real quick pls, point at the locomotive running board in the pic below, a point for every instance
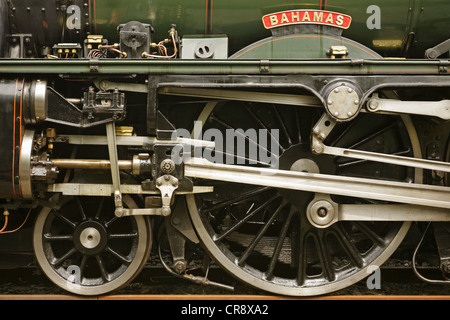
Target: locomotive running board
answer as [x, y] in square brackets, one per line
[400, 192]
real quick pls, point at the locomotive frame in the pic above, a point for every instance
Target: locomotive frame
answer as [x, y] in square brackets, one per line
[314, 222]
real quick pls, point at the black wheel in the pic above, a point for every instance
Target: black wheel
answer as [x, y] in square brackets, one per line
[262, 236]
[85, 249]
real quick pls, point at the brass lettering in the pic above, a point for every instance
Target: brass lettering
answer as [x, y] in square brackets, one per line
[339, 20]
[295, 16]
[318, 16]
[273, 20]
[329, 19]
[306, 17]
[284, 18]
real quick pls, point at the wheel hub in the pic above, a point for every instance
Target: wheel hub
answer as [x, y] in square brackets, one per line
[305, 165]
[90, 237]
[300, 158]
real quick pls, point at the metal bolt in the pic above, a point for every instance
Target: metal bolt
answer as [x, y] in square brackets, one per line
[356, 101]
[317, 148]
[447, 268]
[322, 212]
[373, 105]
[167, 166]
[330, 101]
[179, 266]
[165, 211]
[349, 90]
[336, 90]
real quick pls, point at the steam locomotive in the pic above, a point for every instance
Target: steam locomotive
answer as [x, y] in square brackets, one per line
[292, 143]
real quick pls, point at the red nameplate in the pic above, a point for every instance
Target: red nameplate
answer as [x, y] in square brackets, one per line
[328, 18]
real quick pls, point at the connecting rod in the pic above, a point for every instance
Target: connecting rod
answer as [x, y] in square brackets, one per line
[400, 192]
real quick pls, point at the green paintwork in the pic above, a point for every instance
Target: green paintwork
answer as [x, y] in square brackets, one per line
[303, 46]
[407, 27]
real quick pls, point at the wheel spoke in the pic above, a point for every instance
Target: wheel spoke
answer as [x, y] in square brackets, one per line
[82, 267]
[80, 208]
[301, 259]
[349, 247]
[279, 245]
[57, 262]
[298, 125]
[245, 219]
[372, 135]
[255, 143]
[64, 219]
[282, 124]
[111, 221]
[100, 208]
[50, 237]
[259, 235]
[119, 256]
[372, 235]
[128, 235]
[102, 268]
[238, 199]
[262, 125]
[324, 254]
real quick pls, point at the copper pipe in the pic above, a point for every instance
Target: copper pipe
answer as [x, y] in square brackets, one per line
[90, 164]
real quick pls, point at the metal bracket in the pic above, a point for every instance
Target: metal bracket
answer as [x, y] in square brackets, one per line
[167, 185]
[264, 66]
[93, 65]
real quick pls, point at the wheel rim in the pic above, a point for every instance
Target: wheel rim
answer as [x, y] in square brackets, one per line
[280, 251]
[83, 248]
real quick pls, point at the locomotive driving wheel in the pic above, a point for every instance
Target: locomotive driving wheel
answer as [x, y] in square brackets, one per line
[262, 235]
[84, 248]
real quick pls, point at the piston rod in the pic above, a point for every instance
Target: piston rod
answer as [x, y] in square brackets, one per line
[90, 164]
